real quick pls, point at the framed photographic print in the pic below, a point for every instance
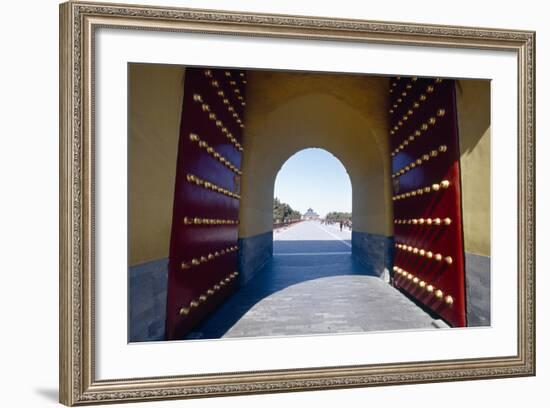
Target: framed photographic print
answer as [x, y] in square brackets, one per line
[260, 203]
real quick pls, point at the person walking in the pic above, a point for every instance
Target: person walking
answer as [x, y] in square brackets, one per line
[341, 224]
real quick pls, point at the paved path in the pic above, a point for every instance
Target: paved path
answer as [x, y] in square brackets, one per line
[311, 237]
[313, 286]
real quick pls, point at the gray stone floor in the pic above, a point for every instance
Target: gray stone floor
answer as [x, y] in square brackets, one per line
[313, 286]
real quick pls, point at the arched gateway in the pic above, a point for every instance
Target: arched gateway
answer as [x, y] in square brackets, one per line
[397, 138]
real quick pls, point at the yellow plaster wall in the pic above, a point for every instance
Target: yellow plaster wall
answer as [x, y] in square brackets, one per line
[474, 121]
[155, 100]
[343, 114]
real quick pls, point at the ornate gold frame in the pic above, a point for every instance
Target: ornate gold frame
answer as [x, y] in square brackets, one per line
[78, 22]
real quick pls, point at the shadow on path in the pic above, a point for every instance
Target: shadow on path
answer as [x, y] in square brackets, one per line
[312, 285]
[312, 246]
[293, 262]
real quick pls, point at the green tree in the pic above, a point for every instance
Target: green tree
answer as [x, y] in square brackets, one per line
[337, 216]
[282, 212]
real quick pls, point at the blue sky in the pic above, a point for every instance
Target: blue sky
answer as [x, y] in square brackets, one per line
[314, 178]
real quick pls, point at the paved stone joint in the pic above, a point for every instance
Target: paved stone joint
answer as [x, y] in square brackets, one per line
[313, 285]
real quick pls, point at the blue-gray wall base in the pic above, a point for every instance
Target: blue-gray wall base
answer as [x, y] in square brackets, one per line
[147, 287]
[147, 283]
[374, 252]
[254, 253]
[478, 290]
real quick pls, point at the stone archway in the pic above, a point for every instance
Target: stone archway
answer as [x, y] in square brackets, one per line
[345, 115]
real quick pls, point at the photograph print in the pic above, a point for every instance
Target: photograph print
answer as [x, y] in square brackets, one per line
[268, 203]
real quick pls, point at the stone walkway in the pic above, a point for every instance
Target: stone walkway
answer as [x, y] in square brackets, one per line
[313, 286]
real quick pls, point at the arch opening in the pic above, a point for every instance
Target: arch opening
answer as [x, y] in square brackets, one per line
[312, 205]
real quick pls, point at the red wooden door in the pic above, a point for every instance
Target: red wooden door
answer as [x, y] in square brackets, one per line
[203, 246]
[429, 255]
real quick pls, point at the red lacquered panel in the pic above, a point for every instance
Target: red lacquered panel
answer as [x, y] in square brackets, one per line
[203, 246]
[429, 254]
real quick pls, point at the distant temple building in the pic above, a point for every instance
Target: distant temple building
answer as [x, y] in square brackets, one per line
[310, 215]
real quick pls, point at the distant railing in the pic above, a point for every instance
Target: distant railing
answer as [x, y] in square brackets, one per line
[281, 224]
